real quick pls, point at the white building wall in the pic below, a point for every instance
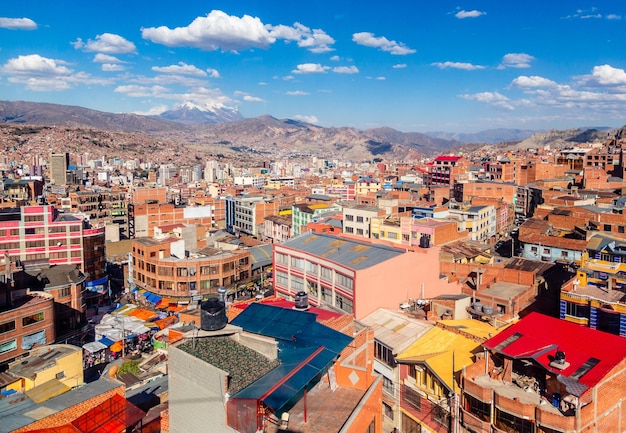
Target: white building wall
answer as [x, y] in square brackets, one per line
[197, 395]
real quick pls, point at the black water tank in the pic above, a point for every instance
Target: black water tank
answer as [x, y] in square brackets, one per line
[213, 315]
[425, 241]
[302, 301]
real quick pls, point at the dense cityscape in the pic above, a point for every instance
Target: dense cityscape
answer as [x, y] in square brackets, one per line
[312, 217]
[449, 293]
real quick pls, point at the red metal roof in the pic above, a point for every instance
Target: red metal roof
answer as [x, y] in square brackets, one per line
[447, 158]
[541, 336]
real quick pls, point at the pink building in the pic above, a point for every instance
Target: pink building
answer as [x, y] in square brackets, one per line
[356, 276]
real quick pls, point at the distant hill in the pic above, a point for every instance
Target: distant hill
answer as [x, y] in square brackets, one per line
[497, 135]
[41, 113]
[217, 130]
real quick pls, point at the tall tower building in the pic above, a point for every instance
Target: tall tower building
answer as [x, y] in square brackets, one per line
[58, 168]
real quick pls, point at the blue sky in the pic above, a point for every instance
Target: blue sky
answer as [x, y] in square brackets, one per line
[411, 65]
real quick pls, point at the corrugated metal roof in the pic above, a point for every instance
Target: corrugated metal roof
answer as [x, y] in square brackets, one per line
[539, 337]
[445, 352]
[348, 252]
[306, 350]
[47, 390]
[395, 330]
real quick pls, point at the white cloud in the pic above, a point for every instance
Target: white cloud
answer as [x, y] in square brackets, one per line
[105, 58]
[346, 70]
[316, 40]
[297, 93]
[457, 65]
[288, 77]
[516, 60]
[262, 83]
[310, 68]
[39, 73]
[613, 17]
[493, 98]
[215, 31]
[335, 58]
[380, 78]
[141, 91]
[112, 67]
[308, 119]
[17, 23]
[197, 95]
[382, 43]
[249, 98]
[35, 65]
[154, 111]
[213, 73]
[181, 68]
[107, 43]
[604, 76]
[469, 14]
[532, 82]
[399, 66]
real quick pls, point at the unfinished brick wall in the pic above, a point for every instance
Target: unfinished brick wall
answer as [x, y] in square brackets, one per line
[68, 415]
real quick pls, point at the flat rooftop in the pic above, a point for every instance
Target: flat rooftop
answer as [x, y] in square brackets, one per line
[326, 410]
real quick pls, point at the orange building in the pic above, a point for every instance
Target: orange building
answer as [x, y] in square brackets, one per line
[146, 217]
[165, 269]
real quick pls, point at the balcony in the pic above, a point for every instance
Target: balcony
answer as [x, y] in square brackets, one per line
[520, 399]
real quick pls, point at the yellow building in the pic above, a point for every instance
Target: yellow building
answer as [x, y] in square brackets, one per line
[594, 298]
[58, 363]
[430, 371]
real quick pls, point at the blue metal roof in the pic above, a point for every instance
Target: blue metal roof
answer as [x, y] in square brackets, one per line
[306, 350]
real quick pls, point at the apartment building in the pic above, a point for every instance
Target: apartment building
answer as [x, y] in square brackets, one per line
[356, 276]
[277, 229]
[42, 234]
[167, 270]
[303, 214]
[25, 320]
[545, 375]
[595, 297]
[357, 219]
[478, 221]
[286, 372]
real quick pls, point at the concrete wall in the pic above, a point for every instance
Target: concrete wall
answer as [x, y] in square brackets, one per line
[264, 345]
[196, 395]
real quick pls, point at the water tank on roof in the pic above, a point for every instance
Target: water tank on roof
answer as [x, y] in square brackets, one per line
[425, 241]
[478, 307]
[213, 315]
[487, 309]
[302, 301]
[221, 292]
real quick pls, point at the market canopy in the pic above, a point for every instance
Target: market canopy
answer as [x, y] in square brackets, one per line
[94, 346]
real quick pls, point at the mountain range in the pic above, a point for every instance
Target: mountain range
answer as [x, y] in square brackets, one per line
[193, 131]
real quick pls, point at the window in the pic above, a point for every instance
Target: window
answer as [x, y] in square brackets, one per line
[392, 235]
[327, 295]
[7, 326]
[387, 410]
[564, 254]
[359, 219]
[297, 263]
[311, 268]
[349, 230]
[281, 258]
[412, 398]
[577, 310]
[388, 385]
[65, 292]
[440, 415]
[33, 318]
[60, 375]
[383, 353]
[409, 425]
[327, 273]
[349, 217]
[359, 232]
[344, 303]
[8, 346]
